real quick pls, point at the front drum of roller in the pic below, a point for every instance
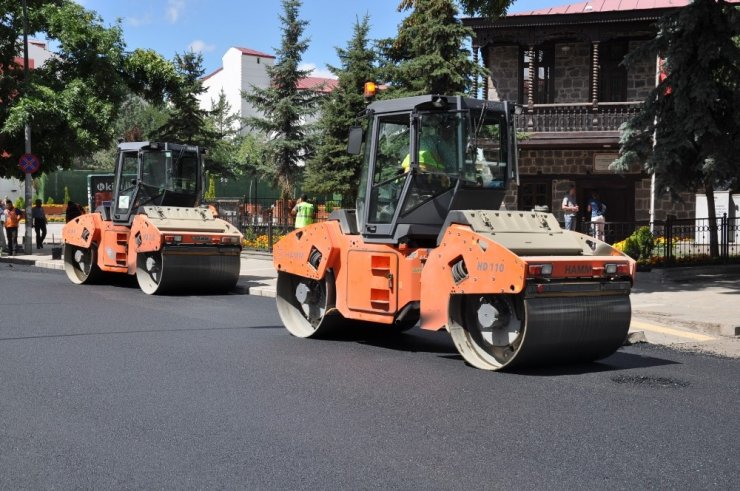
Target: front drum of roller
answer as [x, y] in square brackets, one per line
[503, 331]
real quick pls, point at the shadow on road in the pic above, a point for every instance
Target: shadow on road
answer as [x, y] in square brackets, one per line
[414, 341]
[620, 360]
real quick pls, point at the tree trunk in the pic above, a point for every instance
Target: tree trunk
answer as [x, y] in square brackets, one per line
[713, 239]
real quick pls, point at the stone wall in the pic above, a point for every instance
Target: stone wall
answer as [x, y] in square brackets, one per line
[579, 163]
[640, 76]
[572, 69]
[664, 206]
[503, 61]
[576, 162]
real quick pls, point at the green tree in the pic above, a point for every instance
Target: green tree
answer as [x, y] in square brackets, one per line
[333, 170]
[485, 8]
[74, 98]
[225, 125]
[187, 121]
[284, 106]
[428, 54]
[688, 131]
[137, 120]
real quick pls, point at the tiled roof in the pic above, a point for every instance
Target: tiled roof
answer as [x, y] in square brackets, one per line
[252, 52]
[605, 6]
[318, 83]
[214, 72]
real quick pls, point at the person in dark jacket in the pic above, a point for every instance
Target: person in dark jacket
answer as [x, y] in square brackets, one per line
[73, 211]
[39, 223]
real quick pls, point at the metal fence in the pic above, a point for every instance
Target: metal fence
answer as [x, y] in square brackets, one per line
[264, 221]
[679, 240]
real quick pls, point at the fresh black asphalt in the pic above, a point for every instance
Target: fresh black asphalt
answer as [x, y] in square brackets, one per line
[105, 387]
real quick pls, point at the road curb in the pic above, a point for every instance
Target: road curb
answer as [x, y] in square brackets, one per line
[712, 328]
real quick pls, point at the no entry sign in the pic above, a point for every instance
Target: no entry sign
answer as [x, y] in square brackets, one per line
[29, 163]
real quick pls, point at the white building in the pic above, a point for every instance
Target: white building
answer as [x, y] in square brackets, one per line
[242, 69]
[38, 53]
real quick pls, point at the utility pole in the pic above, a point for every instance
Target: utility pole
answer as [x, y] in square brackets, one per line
[28, 181]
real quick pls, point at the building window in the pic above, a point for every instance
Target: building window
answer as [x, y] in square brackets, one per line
[534, 193]
[612, 76]
[544, 72]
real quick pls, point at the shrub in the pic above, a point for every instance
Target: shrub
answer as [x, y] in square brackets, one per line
[645, 242]
[67, 197]
[20, 203]
[631, 247]
[50, 201]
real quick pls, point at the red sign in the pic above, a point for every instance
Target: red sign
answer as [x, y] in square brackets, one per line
[29, 163]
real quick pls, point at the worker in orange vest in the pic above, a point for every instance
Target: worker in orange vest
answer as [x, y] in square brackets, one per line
[12, 219]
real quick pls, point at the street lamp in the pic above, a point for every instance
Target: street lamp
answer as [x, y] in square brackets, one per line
[28, 180]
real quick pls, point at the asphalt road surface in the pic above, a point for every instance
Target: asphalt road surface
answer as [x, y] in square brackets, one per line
[106, 387]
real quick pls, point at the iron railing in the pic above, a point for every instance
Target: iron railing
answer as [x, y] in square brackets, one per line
[574, 117]
[680, 240]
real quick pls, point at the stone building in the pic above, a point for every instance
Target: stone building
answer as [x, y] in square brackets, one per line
[563, 65]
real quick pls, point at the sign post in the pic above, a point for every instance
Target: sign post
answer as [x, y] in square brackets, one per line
[29, 164]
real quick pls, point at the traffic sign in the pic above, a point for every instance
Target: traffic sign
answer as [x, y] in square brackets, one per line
[29, 163]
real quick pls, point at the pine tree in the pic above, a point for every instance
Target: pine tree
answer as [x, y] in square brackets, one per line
[187, 121]
[333, 170]
[284, 106]
[688, 131]
[485, 8]
[428, 55]
[224, 126]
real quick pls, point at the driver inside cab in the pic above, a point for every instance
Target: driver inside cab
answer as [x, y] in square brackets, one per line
[435, 148]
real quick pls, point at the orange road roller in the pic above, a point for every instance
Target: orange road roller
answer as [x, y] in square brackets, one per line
[429, 243]
[154, 228]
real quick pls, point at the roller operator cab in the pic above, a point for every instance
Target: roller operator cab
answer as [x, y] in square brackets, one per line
[429, 243]
[154, 227]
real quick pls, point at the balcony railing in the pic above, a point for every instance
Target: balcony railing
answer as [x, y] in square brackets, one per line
[574, 117]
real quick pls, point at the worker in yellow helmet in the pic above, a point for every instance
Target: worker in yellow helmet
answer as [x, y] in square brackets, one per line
[303, 212]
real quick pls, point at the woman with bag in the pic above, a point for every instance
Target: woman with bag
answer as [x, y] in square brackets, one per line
[597, 209]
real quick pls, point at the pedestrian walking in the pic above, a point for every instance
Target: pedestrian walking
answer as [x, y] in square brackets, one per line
[570, 209]
[12, 219]
[39, 223]
[597, 208]
[303, 212]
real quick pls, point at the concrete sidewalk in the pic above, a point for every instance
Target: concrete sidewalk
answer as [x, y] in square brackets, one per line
[696, 307]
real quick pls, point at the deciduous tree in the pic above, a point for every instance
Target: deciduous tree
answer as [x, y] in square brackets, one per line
[74, 98]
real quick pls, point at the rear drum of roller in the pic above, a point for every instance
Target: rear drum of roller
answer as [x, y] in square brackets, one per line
[161, 272]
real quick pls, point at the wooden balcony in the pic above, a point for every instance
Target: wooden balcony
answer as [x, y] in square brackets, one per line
[576, 117]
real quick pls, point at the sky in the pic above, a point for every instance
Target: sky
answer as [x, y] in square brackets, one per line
[213, 26]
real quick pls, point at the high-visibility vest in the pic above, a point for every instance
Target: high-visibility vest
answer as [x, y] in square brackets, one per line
[11, 218]
[304, 214]
[428, 161]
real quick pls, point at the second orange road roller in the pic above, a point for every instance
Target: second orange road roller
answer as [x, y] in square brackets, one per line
[154, 227]
[429, 243]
